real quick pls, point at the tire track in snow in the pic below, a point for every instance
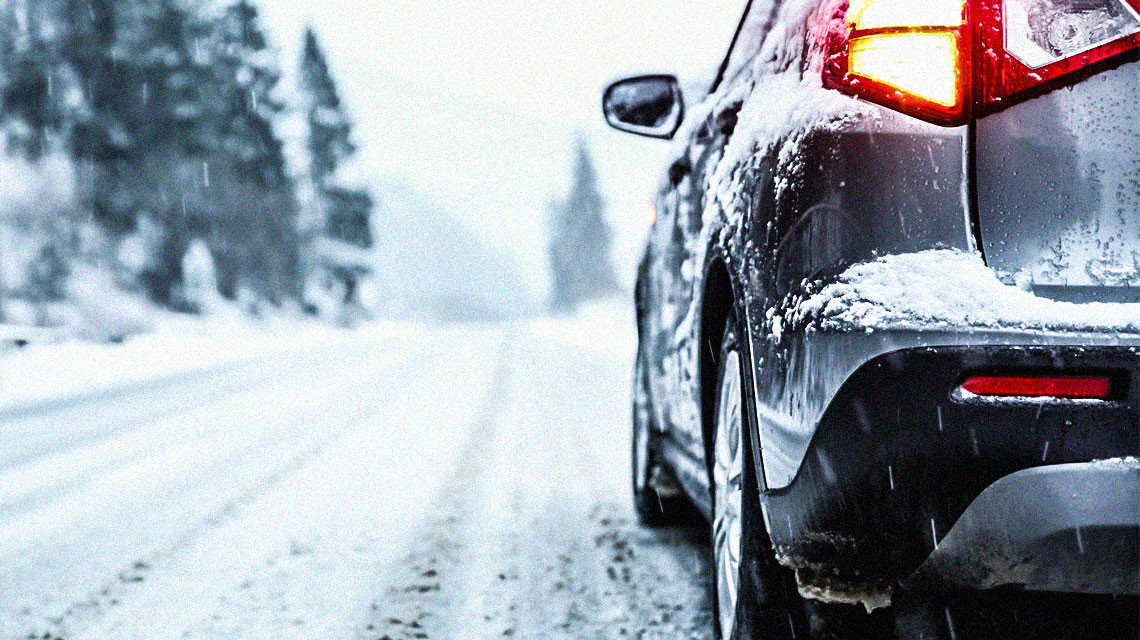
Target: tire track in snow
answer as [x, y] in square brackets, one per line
[534, 537]
[407, 607]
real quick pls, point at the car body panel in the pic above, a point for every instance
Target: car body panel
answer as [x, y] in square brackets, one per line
[816, 366]
[1079, 533]
[825, 222]
[675, 288]
[900, 453]
[1058, 183]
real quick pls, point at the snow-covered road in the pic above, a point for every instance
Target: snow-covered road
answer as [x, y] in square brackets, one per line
[419, 482]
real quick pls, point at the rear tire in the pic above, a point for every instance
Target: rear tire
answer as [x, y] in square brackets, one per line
[768, 604]
[657, 500]
[761, 605]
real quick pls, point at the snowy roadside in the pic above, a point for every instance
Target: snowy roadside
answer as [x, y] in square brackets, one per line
[443, 481]
[56, 373]
[532, 536]
[601, 326]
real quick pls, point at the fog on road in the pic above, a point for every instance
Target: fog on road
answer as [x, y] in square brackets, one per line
[465, 481]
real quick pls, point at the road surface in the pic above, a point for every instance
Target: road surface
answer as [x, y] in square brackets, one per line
[458, 482]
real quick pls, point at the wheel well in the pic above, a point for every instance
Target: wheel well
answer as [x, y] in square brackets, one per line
[716, 306]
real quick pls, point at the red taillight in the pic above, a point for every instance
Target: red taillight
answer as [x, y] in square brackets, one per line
[946, 60]
[1067, 387]
[909, 56]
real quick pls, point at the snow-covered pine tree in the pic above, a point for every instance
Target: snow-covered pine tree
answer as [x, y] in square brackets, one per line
[343, 210]
[329, 127]
[91, 51]
[168, 108]
[181, 132]
[580, 246]
[146, 125]
[251, 196]
[33, 34]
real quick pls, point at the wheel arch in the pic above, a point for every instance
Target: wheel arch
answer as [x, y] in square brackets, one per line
[718, 302]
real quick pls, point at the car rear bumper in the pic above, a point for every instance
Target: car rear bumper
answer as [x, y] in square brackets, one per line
[1068, 528]
[899, 458]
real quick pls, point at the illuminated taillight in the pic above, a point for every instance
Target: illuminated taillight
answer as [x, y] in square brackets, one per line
[1065, 387]
[922, 65]
[904, 54]
[946, 60]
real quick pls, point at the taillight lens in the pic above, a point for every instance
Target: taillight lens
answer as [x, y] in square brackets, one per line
[903, 54]
[923, 66]
[1034, 45]
[1041, 32]
[945, 60]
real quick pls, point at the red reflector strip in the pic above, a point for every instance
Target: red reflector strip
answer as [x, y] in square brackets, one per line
[1073, 387]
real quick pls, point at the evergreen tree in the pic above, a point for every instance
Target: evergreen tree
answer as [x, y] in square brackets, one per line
[91, 51]
[581, 240]
[343, 211]
[181, 132]
[151, 122]
[257, 201]
[329, 127]
[33, 34]
[247, 73]
[169, 109]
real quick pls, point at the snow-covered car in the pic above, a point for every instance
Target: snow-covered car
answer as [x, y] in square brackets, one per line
[889, 317]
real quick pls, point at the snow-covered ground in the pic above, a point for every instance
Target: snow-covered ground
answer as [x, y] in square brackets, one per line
[52, 372]
[400, 481]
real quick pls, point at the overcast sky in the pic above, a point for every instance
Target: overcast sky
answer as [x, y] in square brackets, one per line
[478, 102]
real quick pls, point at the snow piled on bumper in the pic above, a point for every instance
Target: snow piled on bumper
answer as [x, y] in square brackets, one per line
[942, 289]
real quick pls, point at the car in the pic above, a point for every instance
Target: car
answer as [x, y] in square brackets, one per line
[889, 318]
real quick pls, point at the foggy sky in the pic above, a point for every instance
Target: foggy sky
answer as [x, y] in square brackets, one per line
[478, 102]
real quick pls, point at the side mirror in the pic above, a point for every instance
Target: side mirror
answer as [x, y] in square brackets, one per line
[650, 106]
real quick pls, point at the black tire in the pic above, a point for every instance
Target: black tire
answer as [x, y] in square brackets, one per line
[654, 508]
[765, 600]
[769, 605]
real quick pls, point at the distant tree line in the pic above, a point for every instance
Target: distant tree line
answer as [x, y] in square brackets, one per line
[171, 112]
